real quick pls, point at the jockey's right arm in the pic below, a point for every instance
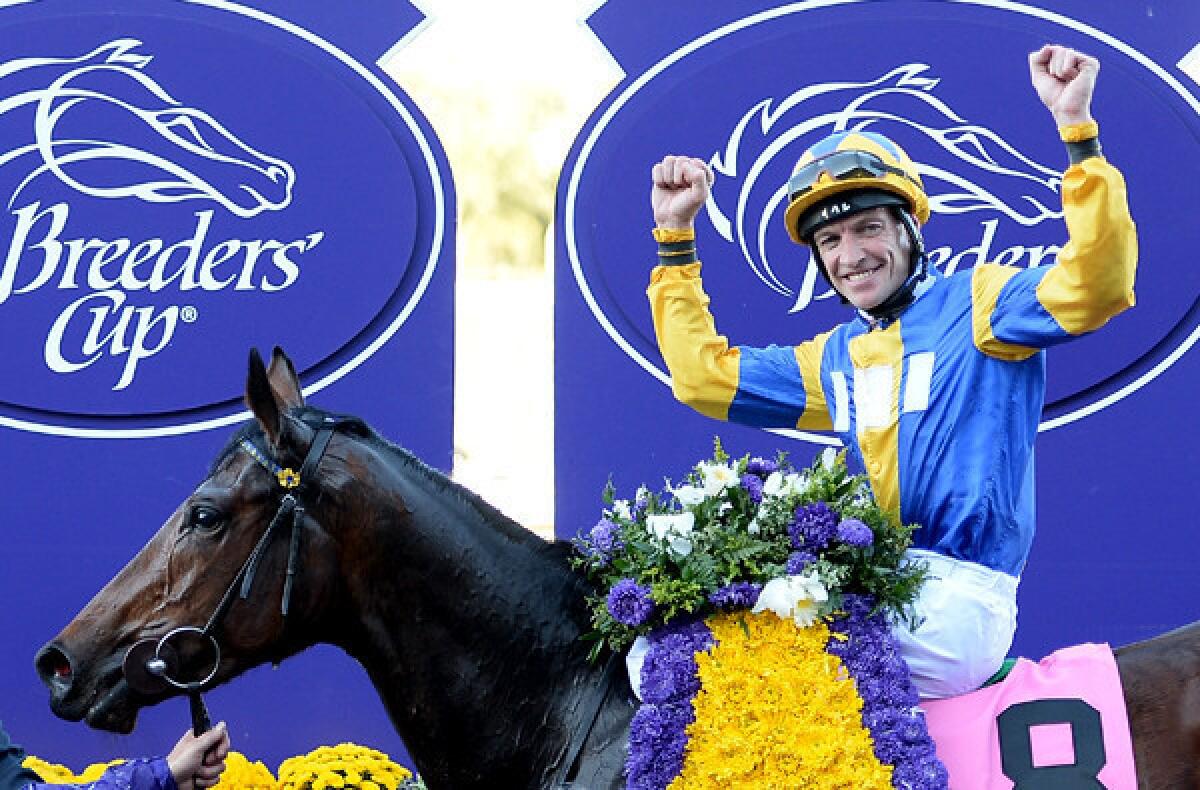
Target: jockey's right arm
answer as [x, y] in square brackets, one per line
[778, 387]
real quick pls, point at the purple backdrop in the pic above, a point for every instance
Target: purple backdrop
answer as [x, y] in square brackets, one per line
[182, 181]
[749, 86]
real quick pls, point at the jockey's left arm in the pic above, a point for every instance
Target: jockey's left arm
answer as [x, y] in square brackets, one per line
[1017, 312]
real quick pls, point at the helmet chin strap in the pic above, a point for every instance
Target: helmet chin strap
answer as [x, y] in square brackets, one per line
[890, 308]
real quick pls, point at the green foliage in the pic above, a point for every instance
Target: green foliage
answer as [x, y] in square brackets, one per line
[692, 540]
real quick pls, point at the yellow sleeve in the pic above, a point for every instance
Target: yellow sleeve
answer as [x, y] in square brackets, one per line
[704, 369]
[772, 387]
[1093, 278]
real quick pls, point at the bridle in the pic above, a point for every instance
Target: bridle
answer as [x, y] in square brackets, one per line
[153, 657]
[296, 488]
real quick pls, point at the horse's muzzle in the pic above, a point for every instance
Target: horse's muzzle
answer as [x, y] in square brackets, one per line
[56, 669]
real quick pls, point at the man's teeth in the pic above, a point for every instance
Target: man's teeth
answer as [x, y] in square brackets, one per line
[859, 275]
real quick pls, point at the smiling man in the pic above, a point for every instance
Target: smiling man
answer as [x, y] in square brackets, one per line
[936, 384]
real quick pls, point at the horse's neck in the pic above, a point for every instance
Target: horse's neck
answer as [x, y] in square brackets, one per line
[470, 631]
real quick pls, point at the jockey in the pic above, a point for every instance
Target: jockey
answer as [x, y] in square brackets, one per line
[935, 384]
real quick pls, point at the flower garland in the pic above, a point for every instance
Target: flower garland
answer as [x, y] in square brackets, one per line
[811, 692]
[346, 766]
[774, 706]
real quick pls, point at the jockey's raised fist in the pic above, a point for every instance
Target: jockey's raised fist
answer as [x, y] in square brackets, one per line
[1064, 80]
[681, 186]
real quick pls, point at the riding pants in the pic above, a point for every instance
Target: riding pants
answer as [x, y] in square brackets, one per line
[967, 616]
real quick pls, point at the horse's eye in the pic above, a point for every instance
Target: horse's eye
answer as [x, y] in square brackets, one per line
[205, 518]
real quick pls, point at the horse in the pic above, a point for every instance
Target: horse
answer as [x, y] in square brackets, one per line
[468, 625]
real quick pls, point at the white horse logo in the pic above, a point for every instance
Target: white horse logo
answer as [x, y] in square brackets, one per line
[993, 176]
[167, 152]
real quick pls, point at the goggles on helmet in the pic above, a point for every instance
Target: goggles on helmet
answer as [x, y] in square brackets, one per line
[840, 165]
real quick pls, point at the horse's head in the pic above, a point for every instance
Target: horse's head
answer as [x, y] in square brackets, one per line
[107, 128]
[193, 572]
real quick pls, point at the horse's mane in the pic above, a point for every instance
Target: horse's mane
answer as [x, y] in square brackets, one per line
[558, 551]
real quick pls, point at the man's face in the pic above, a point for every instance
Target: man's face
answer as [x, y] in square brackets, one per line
[867, 256]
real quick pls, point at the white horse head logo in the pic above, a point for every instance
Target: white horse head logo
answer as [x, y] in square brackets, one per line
[991, 175]
[151, 147]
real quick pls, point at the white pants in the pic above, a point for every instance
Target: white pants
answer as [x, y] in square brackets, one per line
[969, 615]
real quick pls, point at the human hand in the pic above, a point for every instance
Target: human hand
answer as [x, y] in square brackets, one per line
[1064, 80]
[198, 761]
[681, 186]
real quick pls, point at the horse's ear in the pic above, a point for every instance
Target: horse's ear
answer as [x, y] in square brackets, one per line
[261, 398]
[284, 381]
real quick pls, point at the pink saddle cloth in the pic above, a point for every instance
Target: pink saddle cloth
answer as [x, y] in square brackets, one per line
[1061, 721]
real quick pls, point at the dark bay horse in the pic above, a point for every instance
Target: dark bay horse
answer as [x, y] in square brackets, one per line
[468, 625]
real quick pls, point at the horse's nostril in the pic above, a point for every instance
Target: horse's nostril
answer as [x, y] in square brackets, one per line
[54, 667]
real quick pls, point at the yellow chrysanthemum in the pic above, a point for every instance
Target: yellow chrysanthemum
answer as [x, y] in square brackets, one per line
[55, 774]
[775, 710]
[346, 766]
[241, 774]
[52, 773]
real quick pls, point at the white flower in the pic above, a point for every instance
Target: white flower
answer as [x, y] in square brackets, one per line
[797, 597]
[780, 485]
[717, 477]
[754, 527]
[675, 529]
[663, 525]
[680, 545]
[689, 495]
[828, 456]
[620, 509]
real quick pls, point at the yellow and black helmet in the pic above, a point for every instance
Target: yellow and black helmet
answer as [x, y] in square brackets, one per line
[849, 172]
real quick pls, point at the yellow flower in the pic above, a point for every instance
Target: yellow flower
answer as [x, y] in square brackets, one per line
[346, 766]
[241, 774]
[775, 710]
[53, 773]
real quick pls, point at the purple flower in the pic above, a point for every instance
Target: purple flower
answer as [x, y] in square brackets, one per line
[853, 532]
[924, 774]
[888, 694]
[629, 603]
[856, 606]
[797, 561]
[657, 739]
[761, 467]
[605, 538]
[753, 486]
[813, 526]
[739, 595]
[658, 732]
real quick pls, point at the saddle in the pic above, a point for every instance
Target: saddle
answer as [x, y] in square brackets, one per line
[1058, 723]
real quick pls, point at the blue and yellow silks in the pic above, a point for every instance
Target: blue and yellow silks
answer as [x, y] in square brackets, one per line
[941, 407]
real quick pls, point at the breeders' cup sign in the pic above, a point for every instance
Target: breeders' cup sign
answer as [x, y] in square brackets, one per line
[178, 189]
[752, 93]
